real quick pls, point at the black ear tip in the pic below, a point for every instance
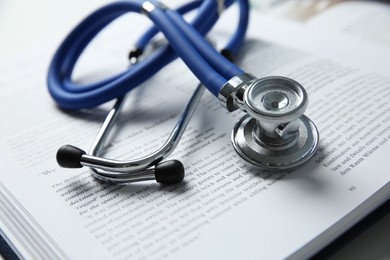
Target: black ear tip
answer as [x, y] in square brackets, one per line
[169, 172]
[227, 54]
[69, 156]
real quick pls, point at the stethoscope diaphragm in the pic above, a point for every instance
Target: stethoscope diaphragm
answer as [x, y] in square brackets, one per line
[275, 134]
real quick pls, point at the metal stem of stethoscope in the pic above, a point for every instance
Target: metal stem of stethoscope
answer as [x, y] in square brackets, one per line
[133, 170]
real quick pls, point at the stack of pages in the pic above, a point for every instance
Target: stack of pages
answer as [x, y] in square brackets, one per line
[224, 209]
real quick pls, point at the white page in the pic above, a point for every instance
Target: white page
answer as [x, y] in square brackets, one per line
[367, 21]
[353, 32]
[224, 208]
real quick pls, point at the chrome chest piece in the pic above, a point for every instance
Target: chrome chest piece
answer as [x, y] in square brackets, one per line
[275, 133]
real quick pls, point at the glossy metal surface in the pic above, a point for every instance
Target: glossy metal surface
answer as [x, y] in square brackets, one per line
[135, 170]
[275, 99]
[275, 134]
[232, 93]
[148, 7]
[275, 155]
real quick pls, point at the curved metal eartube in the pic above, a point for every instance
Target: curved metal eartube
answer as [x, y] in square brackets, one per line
[167, 172]
[141, 169]
[275, 134]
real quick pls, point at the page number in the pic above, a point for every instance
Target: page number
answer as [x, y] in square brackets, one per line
[352, 188]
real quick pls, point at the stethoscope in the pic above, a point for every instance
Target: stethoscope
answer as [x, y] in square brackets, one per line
[275, 133]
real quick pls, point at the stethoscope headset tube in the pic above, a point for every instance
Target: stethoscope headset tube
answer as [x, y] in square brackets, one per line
[275, 134]
[150, 166]
[70, 95]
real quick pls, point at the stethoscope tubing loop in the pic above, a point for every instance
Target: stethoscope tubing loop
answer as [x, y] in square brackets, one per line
[70, 95]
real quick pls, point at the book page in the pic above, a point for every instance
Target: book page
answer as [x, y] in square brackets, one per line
[367, 21]
[225, 208]
[363, 21]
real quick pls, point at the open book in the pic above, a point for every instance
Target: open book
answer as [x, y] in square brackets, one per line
[224, 209]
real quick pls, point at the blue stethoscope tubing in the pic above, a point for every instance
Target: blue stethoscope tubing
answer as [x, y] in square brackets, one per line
[186, 41]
